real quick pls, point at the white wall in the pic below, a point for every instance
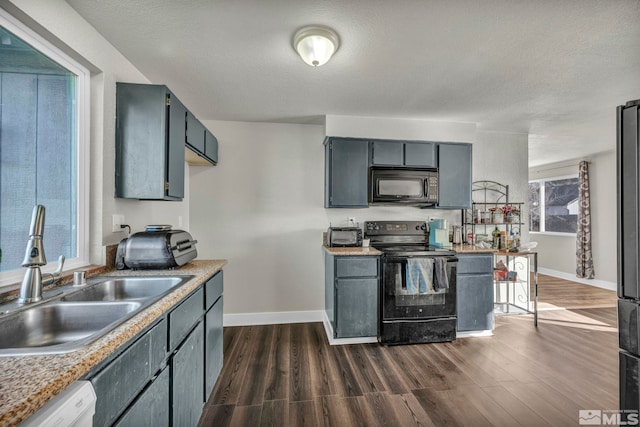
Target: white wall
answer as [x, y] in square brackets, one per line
[557, 253]
[262, 209]
[60, 24]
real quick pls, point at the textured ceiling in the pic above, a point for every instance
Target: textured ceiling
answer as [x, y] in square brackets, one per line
[555, 69]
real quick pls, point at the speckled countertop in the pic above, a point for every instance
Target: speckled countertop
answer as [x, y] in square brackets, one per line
[354, 251]
[28, 382]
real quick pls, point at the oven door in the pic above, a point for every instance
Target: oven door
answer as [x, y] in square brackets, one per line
[402, 298]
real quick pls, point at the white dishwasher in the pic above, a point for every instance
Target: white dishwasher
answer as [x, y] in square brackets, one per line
[75, 407]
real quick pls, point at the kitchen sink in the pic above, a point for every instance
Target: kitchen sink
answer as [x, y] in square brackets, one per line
[81, 315]
[127, 289]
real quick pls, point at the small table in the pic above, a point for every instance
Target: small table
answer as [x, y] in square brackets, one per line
[532, 268]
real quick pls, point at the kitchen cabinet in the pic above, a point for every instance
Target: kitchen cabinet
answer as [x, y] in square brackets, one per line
[195, 133]
[346, 173]
[397, 153]
[150, 141]
[454, 169]
[166, 373]
[351, 295]
[213, 332]
[118, 383]
[187, 366]
[204, 150]
[474, 282]
[151, 409]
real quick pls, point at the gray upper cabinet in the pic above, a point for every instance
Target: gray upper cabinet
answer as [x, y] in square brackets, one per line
[210, 147]
[389, 153]
[397, 153]
[346, 173]
[150, 139]
[195, 133]
[454, 169]
[420, 154]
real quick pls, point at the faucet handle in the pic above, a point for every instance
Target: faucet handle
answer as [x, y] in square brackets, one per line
[51, 278]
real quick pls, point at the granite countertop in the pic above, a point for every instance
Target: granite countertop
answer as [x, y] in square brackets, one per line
[353, 251]
[471, 249]
[28, 382]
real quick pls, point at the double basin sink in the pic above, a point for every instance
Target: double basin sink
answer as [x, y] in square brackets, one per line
[81, 315]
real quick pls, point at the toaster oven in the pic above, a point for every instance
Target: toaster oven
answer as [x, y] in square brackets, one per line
[344, 236]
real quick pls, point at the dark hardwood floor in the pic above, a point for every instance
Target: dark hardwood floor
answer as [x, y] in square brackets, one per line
[288, 375]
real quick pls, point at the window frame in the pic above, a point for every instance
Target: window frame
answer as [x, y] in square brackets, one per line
[83, 174]
[542, 197]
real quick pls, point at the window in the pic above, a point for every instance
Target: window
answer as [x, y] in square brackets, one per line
[43, 153]
[553, 205]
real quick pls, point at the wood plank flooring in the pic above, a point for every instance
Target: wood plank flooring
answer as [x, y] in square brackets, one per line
[288, 375]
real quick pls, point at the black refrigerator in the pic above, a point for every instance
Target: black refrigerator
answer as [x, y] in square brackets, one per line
[628, 182]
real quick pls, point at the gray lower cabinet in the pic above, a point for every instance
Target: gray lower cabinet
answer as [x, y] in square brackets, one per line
[151, 409]
[187, 366]
[351, 295]
[165, 374]
[346, 173]
[454, 180]
[474, 283]
[213, 339]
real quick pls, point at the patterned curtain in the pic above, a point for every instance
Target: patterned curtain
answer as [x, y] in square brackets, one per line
[584, 256]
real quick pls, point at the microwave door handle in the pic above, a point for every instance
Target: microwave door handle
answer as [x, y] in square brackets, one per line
[426, 188]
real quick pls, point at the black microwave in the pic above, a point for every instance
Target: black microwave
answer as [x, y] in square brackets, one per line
[403, 186]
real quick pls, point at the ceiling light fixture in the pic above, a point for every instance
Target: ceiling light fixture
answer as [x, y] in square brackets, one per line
[316, 44]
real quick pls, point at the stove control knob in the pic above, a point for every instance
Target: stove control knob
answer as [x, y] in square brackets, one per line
[369, 226]
[377, 227]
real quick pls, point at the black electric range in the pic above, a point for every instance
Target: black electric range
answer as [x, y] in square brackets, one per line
[413, 312]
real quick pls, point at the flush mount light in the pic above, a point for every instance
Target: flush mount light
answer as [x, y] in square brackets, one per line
[316, 44]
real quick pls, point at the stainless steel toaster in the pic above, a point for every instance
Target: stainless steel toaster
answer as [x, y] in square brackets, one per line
[161, 249]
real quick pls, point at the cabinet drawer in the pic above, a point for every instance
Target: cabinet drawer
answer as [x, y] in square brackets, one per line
[120, 381]
[183, 317]
[356, 267]
[213, 289]
[481, 263]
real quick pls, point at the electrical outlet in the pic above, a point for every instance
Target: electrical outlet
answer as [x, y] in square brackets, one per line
[117, 221]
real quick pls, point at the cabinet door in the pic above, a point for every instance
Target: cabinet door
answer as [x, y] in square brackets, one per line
[118, 383]
[356, 308]
[475, 302]
[151, 409]
[348, 170]
[211, 147]
[420, 154]
[390, 153]
[454, 169]
[175, 149]
[188, 375]
[213, 347]
[195, 133]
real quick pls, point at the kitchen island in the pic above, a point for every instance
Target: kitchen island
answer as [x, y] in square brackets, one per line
[28, 382]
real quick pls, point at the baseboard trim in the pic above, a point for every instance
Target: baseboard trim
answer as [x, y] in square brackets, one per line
[343, 341]
[474, 334]
[272, 318]
[591, 282]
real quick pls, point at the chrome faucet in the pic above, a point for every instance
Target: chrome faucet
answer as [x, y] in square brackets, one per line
[34, 258]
